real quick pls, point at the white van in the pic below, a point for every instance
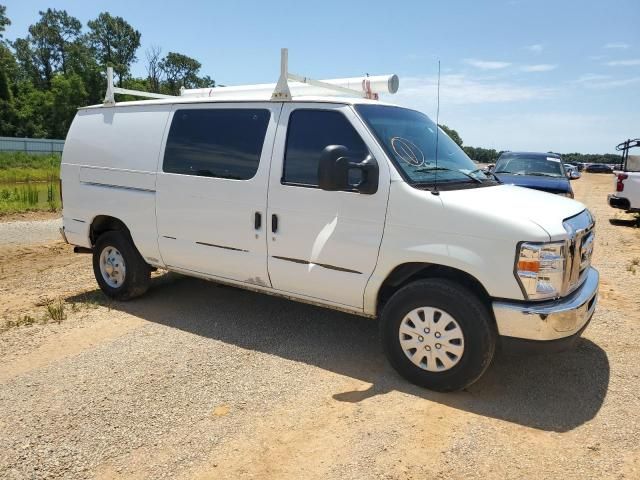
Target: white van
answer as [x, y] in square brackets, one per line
[337, 201]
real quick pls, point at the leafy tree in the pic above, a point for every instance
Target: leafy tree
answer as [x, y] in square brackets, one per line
[82, 61]
[5, 89]
[7, 108]
[33, 111]
[57, 68]
[27, 69]
[180, 71]
[50, 38]
[115, 43]
[205, 82]
[4, 20]
[482, 155]
[67, 94]
[453, 134]
[154, 72]
[8, 63]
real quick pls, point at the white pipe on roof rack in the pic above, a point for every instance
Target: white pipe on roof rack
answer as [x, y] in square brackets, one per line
[355, 85]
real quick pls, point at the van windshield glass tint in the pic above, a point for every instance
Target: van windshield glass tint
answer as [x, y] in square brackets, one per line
[223, 143]
[409, 138]
[530, 165]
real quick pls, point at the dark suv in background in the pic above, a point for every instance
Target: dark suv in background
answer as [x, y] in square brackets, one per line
[599, 168]
[540, 171]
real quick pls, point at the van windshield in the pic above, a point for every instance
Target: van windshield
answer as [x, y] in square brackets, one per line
[409, 139]
[530, 165]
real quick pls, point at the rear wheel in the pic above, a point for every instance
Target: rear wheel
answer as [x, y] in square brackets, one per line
[118, 267]
[438, 334]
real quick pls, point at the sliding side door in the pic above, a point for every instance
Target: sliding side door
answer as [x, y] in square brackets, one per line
[212, 190]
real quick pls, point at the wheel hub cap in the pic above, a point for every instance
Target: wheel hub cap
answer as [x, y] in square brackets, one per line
[431, 339]
[112, 267]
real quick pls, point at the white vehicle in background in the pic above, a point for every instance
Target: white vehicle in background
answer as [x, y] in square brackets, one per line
[627, 180]
[318, 192]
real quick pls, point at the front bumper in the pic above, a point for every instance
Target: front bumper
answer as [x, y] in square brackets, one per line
[549, 320]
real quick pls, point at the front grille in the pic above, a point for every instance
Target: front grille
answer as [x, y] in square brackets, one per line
[580, 249]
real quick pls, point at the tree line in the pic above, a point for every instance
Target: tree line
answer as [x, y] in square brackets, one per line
[60, 65]
[489, 155]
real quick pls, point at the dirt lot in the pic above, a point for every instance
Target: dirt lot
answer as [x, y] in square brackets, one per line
[196, 380]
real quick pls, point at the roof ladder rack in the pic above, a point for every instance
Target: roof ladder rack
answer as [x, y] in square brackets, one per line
[290, 85]
[282, 91]
[110, 99]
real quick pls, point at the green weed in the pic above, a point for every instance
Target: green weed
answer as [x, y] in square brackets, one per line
[56, 311]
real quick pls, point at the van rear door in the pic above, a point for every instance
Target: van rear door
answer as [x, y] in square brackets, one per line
[212, 189]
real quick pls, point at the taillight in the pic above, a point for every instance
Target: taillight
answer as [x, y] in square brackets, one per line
[621, 178]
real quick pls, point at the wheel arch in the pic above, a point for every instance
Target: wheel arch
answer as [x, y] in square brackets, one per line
[405, 273]
[105, 223]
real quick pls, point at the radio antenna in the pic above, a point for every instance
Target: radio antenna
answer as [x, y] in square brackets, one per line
[435, 176]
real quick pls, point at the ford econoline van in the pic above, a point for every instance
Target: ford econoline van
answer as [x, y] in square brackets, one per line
[345, 202]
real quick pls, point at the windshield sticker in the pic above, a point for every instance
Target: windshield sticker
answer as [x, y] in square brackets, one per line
[553, 159]
[407, 151]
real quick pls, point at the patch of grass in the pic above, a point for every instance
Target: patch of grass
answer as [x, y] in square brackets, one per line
[56, 312]
[24, 320]
[23, 167]
[24, 197]
[29, 182]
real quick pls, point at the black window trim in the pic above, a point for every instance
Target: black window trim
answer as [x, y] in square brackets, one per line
[187, 106]
[286, 142]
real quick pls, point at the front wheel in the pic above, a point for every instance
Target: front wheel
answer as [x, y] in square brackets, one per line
[438, 334]
[118, 267]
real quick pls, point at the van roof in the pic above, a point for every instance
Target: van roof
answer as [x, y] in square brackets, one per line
[241, 99]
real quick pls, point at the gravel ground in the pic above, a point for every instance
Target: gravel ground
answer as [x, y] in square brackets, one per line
[196, 380]
[29, 232]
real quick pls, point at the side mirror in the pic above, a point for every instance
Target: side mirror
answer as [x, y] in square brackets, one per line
[337, 172]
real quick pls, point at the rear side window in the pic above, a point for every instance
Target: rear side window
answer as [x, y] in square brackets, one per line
[309, 132]
[223, 143]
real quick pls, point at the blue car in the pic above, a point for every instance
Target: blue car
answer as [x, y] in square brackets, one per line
[540, 171]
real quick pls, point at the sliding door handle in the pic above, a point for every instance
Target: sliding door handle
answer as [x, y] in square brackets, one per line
[274, 223]
[257, 221]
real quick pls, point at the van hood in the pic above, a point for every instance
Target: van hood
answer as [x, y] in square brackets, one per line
[512, 204]
[546, 184]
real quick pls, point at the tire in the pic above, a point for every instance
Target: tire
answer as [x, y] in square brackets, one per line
[126, 275]
[464, 347]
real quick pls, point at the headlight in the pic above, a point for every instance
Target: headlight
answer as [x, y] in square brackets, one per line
[540, 269]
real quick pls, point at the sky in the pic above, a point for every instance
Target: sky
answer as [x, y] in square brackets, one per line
[541, 75]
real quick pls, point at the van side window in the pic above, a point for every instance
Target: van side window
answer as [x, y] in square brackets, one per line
[309, 132]
[223, 143]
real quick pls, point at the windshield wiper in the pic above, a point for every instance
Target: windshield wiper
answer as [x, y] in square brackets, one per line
[508, 172]
[486, 173]
[430, 169]
[542, 174]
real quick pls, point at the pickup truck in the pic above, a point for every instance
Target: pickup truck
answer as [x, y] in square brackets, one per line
[627, 180]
